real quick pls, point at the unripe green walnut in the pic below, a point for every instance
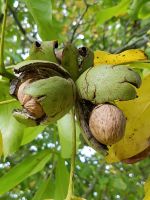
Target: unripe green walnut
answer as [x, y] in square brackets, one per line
[45, 91]
[107, 123]
[28, 102]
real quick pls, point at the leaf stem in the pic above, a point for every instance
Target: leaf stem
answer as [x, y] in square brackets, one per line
[3, 71]
[7, 101]
[70, 187]
[2, 67]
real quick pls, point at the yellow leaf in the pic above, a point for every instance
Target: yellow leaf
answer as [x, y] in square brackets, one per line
[147, 190]
[137, 134]
[131, 55]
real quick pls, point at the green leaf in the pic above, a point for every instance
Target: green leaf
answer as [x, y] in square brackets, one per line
[28, 167]
[144, 11]
[0, 7]
[31, 133]
[62, 180]
[65, 129]
[107, 13]
[46, 190]
[13, 55]
[13, 133]
[69, 61]
[135, 7]
[118, 183]
[42, 14]
[147, 52]
[11, 130]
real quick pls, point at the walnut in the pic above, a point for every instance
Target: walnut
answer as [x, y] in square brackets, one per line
[107, 123]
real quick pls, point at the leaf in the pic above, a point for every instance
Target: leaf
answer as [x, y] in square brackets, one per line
[69, 61]
[107, 13]
[135, 7]
[62, 180]
[147, 189]
[144, 11]
[13, 132]
[1, 145]
[29, 166]
[65, 129]
[147, 52]
[46, 190]
[141, 65]
[13, 55]
[119, 184]
[31, 133]
[137, 133]
[42, 14]
[1, 7]
[131, 55]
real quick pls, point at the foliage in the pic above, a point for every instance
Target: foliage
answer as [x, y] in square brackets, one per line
[36, 161]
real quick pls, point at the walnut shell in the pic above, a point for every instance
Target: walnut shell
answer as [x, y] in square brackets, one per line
[22, 97]
[29, 103]
[33, 107]
[107, 123]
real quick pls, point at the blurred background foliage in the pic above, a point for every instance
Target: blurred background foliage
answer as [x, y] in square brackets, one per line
[107, 25]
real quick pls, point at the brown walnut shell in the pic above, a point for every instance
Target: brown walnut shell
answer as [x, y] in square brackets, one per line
[29, 103]
[107, 123]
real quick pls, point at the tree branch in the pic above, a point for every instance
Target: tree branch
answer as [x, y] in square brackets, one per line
[7, 101]
[16, 20]
[138, 42]
[134, 45]
[2, 66]
[23, 31]
[90, 188]
[93, 183]
[79, 21]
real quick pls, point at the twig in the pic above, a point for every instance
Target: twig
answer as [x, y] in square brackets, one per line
[70, 187]
[93, 183]
[90, 188]
[23, 31]
[16, 20]
[86, 24]
[78, 21]
[140, 33]
[136, 44]
[7, 101]
[2, 66]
